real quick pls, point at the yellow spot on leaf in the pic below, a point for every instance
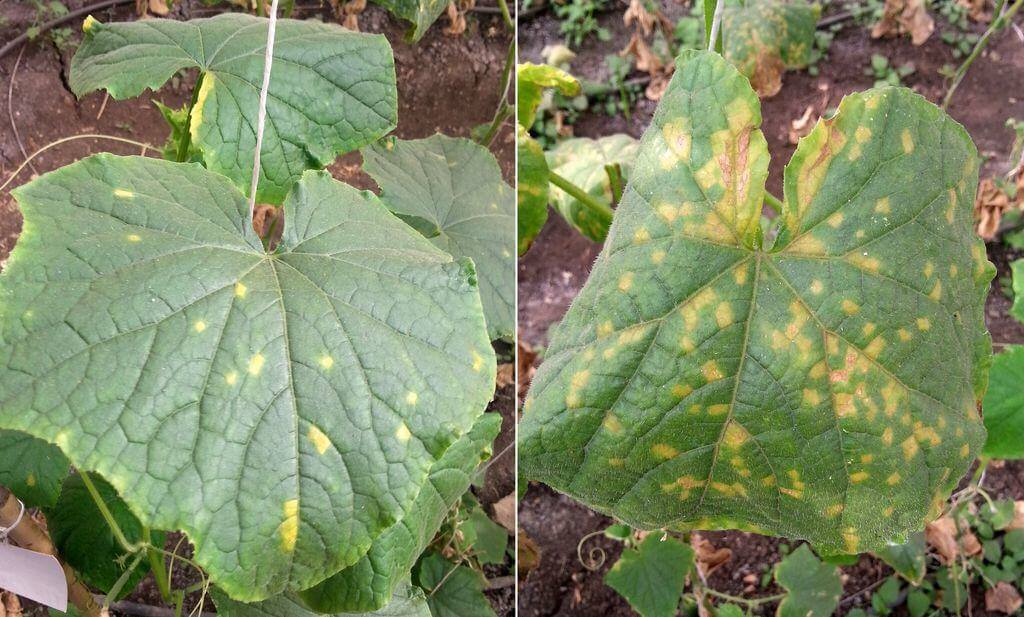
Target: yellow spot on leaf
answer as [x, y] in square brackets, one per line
[893, 479]
[31, 479]
[834, 510]
[402, 433]
[605, 328]
[835, 220]
[908, 141]
[936, 292]
[319, 439]
[887, 436]
[231, 378]
[256, 364]
[910, 448]
[478, 361]
[681, 390]
[616, 462]
[723, 314]
[663, 451]
[875, 347]
[923, 324]
[868, 329]
[289, 528]
[735, 435]
[859, 476]
[326, 362]
[240, 289]
[965, 450]
[740, 274]
[123, 193]
[811, 397]
[658, 256]
[862, 134]
[882, 206]
[612, 424]
[850, 307]
[718, 409]
[199, 326]
[626, 281]
[411, 397]
[641, 235]
[711, 371]
[134, 238]
[816, 287]
[904, 335]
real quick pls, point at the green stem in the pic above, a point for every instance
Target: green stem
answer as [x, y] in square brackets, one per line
[506, 15]
[107, 515]
[502, 112]
[185, 140]
[998, 23]
[588, 200]
[157, 564]
[121, 581]
[747, 601]
[492, 130]
[773, 202]
[614, 181]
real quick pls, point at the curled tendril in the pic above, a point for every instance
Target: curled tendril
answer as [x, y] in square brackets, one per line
[595, 557]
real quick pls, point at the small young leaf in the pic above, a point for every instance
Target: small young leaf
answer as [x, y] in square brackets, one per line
[918, 603]
[252, 400]
[85, 541]
[582, 161]
[729, 610]
[814, 588]
[809, 389]
[1013, 542]
[531, 80]
[31, 468]
[1001, 513]
[908, 560]
[1004, 405]
[407, 601]
[491, 538]
[452, 590]
[532, 190]
[618, 531]
[333, 90]
[456, 185]
[651, 577]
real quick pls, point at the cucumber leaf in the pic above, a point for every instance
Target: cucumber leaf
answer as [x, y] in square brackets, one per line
[532, 189]
[407, 601]
[368, 584]
[814, 587]
[763, 38]
[824, 387]
[31, 468]
[281, 409]
[651, 577]
[331, 91]
[531, 80]
[452, 590]
[1004, 405]
[455, 186]
[420, 13]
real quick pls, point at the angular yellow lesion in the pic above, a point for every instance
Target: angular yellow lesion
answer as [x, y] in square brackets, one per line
[739, 274]
[402, 433]
[711, 371]
[326, 362]
[875, 347]
[859, 476]
[641, 235]
[687, 344]
[735, 435]
[862, 134]
[936, 292]
[256, 363]
[478, 361]
[134, 238]
[868, 329]
[893, 479]
[240, 289]
[924, 324]
[910, 448]
[658, 256]
[612, 424]
[807, 245]
[850, 307]
[664, 451]
[929, 269]
[124, 194]
[681, 390]
[626, 282]
[289, 529]
[616, 462]
[678, 138]
[864, 262]
[816, 287]
[605, 328]
[231, 378]
[867, 458]
[318, 438]
[31, 479]
[834, 510]
[835, 220]
[730, 490]
[578, 381]
[882, 206]
[926, 433]
[723, 314]
[411, 397]
[965, 450]
[953, 270]
[819, 370]
[811, 397]
[887, 512]
[844, 405]
[718, 409]
[851, 540]
[908, 141]
[667, 212]
[904, 335]
[199, 325]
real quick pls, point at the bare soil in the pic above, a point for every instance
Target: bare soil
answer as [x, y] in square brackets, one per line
[553, 271]
[447, 84]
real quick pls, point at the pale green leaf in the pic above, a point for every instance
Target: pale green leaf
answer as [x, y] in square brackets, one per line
[452, 590]
[455, 186]
[31, 468]
[531, 190]
[281, 409]
[531, 80]
[84, 540]
[1004, 405]
[582, 161]
[368, 584]
[908, 560]
[822, 388]
[331, 90]
[407, 601]
[651, 577]
[814, 587]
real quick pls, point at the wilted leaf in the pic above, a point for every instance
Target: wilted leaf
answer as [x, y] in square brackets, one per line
[1004, 405]
[369, 584]
[990, 205]
[814, 588]
[336, 92]
[905, 17]
[908, 560]
[709, 558]
[942, 534]
[823, 387]
[582, 161]
[531, 80]
[525, 358]
[1003, 598]
[506, 375]
[249, 399]
[765, 37]
[1018, 516]
[651, 577]
[455, 186]
[84, 540]
[532, 188]
[31, 468]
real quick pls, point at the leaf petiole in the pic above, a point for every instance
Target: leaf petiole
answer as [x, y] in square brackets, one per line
[582, 196]
[108, 516]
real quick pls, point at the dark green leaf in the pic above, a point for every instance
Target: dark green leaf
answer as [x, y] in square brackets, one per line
[918, 603]
[1013, 542]
[824, 387]
[532, 189]
[491, 538]
[407, 601]
[368, 584]
[729, 610]
[262, 403]
[814, 588]
[1017, 310]
[85, 541]
[332, 90]
[452, 590]
[651, 577]
[907, 559]
[1004, 405]
[31, 468]
[619, 531]
[456, 185]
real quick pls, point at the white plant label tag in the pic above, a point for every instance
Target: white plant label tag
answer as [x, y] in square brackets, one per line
[33, 575]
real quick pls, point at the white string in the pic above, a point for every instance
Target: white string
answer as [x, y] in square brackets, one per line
[716, 22]
[6, 530]
[261, 116]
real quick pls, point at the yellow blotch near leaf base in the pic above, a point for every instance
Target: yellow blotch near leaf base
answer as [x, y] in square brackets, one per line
[874, 348]
[864, 262]
[852, 540]
[289, 528]
[402, 433]
[859, 476]
[625, 281]
[256, 364]
[123, 193]
[740, 274]
[199, 326]
[711, 371]
[240, 289]
[908, 141]
[319, 439]
[678, 138]
[664, 451]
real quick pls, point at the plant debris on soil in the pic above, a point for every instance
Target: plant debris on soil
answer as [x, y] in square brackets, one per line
[555, 268]
[447, 84]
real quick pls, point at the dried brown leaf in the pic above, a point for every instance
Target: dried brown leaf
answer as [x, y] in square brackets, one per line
[941, 535]
[977, 10]
[525, 358]
[529, 554]
[708, 557]
[989, 206]
[1003, 598]
[905, 17]
[506, 374]
[159, 8]
[10, 605]
[505, 512]
[638, 13]
[801, 126]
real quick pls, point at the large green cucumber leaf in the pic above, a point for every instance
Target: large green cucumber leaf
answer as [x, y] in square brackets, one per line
[282, 409]
[582, 161]
[822, 388]
[331, 90]
[85, 541]
[1004, 405]
[369, 584]
[531, 189]
[420, 13]
[763, 38]
[453, 189]
[407, 601]
[31, 468]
